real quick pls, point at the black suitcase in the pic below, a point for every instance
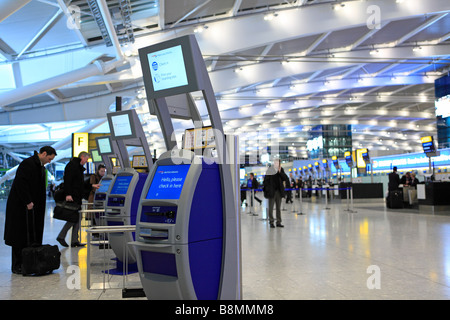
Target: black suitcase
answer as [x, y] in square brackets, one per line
[395, 199]
[39, 259]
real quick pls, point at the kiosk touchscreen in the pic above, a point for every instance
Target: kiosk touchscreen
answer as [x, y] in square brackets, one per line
[100, 193]
[180, 230]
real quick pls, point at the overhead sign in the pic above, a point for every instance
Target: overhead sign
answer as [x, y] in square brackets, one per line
[80, 142]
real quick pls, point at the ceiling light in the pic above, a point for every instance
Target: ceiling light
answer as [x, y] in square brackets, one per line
[200, 29]
[270, 16]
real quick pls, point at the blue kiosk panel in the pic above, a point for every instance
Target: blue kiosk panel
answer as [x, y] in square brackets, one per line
[193, 209]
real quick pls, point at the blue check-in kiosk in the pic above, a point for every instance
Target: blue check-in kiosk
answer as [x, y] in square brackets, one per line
[122, 199]
[187, 230]
[180, 229]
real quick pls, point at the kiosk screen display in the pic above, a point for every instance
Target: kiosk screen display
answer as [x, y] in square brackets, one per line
[121, 125]
[104, 145]
[121, 184]
[104, 186]
[168, 182]
[167, 68]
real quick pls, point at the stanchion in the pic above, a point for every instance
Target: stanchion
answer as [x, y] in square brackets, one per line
[351, 199]
[326, 199]
[300, 202]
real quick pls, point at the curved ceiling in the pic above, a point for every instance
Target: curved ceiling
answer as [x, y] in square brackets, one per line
[283, 66]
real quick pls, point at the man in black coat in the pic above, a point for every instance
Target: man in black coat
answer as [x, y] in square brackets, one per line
[394, 180]
[27, 196]
[75, 190]
[274, 190]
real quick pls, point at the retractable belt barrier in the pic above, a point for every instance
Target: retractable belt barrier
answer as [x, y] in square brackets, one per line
[349, 196]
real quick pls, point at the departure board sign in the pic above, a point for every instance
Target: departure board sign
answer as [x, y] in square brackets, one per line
[428, 144]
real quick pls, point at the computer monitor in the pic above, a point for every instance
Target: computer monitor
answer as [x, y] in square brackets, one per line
[168, 182]
[168, 68]
[121, 184]
[95, 155]
[104, 145]
[121, 125]
[105, 183]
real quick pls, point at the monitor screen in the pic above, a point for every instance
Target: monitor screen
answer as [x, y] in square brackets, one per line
[121, 184]
[168, 182]
[121, 125]
[104, 145]
[96, 157]
[167, 68]
[104, 186]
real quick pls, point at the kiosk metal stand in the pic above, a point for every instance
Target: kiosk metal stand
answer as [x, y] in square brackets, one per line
[188, 225]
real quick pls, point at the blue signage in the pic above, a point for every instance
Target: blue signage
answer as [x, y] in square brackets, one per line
[411, 160]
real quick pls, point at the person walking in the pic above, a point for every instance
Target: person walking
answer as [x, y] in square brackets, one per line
[75, 190]
[274, 190]
[27, 196]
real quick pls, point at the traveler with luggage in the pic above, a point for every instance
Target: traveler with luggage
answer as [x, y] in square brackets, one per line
[394, 199]
[27, 196]
[274, 185]
[75, 190]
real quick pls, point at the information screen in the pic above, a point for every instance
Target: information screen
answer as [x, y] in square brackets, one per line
[104, 186]
[96, 157]
[168, 182]
[167, 68]
[121, 184]
[104, 145]
[121, 125]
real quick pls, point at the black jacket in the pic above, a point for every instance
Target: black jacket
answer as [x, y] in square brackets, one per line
[274, 181]
[28, 186]
[74, 184]
[394, 181]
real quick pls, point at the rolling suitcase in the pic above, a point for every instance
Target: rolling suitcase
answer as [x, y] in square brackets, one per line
[38, 259]
[395, 199]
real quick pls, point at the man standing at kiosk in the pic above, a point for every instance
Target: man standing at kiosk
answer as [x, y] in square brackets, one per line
[274, 190]
[75, 191]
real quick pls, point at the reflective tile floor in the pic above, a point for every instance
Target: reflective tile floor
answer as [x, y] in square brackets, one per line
[328, 252]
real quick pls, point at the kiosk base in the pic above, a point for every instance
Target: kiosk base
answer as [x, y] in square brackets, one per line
[119, 269]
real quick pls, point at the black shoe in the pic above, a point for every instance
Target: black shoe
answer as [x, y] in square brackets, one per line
[62, 242]
[77, 244]
[272, 225]
[279, 225]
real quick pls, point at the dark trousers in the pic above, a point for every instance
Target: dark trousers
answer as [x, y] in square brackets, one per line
[16, 257]
[277, 201]
[75, 227]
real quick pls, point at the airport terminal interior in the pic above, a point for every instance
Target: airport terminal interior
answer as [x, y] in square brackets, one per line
[191, 104]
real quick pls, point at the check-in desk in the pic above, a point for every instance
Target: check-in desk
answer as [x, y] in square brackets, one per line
[434, 197]
[362, 191]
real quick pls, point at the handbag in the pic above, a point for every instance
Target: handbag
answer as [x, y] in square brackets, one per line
[67, 211]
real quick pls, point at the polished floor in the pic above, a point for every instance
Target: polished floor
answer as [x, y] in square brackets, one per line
[329, 252]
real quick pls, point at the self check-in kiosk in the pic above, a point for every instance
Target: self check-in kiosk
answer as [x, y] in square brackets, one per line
[187, 229]
[122, 199]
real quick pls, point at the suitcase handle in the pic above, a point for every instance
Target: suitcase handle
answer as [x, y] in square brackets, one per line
[27, 213]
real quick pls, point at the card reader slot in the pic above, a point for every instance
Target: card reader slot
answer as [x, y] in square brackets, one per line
[154, 234]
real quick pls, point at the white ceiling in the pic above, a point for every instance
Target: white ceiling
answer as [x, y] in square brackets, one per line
[275, 65]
